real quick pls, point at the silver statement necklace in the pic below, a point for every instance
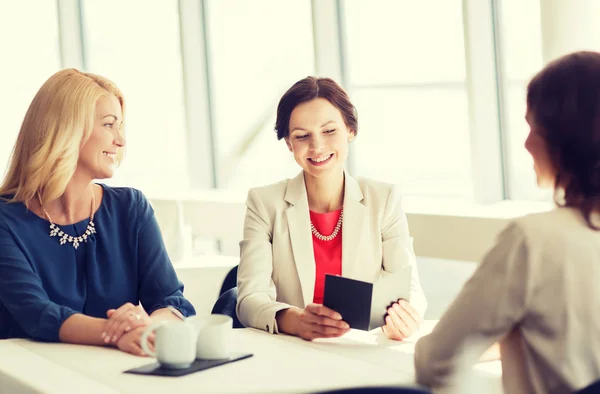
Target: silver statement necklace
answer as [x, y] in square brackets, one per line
[55, 231]
[335, 232]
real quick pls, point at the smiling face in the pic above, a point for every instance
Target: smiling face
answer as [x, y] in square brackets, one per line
[537, 147]
[97, 157]
[318, 137]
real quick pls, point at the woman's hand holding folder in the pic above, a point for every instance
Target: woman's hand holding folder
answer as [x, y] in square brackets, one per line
[314, 321]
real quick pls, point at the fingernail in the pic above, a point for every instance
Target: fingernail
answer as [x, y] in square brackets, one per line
[114, 338]
[396, 307]
[103, 334]
[106, 339]
[127, 329]
[402, 302]
[346, 325]
[338, 316]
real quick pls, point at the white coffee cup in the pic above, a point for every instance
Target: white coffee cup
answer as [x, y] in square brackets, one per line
[175, 343]
[213, 336]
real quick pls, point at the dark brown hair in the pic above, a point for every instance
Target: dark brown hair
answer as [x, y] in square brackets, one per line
[564, 100]
[310, 88]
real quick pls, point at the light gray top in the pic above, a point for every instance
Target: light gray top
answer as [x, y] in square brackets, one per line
[537, 291]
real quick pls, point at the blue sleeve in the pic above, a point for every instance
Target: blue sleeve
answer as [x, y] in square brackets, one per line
[21, 292]
[159, 285]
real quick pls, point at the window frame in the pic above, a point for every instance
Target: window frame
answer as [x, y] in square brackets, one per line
[483, 51]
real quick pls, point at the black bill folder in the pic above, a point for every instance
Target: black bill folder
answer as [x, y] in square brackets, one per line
[363, 305]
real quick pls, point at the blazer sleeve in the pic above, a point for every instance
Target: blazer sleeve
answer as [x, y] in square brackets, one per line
[398, 249]
[489, 306]
[22, 293]
[257, 305]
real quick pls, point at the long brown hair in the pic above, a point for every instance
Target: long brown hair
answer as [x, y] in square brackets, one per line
[564, 100]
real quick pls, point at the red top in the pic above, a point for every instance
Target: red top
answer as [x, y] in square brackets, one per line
[328, 254]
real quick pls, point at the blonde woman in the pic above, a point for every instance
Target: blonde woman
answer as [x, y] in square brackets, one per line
[77, 257]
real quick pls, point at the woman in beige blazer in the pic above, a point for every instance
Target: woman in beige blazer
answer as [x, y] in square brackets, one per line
[276, 277]
[537, 290]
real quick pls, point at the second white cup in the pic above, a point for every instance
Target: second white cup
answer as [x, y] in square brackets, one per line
[213, 336]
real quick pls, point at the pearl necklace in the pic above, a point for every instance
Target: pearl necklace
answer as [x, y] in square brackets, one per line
[335, 232]
[55, 231]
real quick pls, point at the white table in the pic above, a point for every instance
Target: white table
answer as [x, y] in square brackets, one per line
[280, 364]
[375, 348]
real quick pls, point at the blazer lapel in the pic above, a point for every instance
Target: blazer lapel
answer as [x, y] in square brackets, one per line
[354, 213]
[298, 219]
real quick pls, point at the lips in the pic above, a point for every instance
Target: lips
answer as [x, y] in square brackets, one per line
[110, 155]
[321, 160]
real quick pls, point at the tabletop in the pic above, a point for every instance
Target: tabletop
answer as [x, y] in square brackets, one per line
[280, 364]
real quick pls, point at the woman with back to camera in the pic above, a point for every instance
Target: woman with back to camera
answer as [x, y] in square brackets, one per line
[323, 221]
[77, 257]
[537, 290]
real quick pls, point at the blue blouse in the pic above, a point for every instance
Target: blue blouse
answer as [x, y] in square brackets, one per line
[42, 283]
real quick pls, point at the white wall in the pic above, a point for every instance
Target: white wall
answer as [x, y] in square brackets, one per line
[444, 230]
[569, 26]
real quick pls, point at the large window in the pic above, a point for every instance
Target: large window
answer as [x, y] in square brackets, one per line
[406, 75]
[403, 63]
[30, 55]
[136, 44]
[258, 49]
[522, 55]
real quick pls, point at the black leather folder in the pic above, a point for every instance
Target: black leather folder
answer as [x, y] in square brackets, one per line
[363, 305]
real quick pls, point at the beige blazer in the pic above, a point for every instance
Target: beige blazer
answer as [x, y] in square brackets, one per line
[277, 265]
[537, 293]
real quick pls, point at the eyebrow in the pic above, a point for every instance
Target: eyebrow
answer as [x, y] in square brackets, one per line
[106, 116]
[323, 125]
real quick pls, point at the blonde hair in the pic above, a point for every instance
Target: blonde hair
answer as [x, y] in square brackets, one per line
[58, 122]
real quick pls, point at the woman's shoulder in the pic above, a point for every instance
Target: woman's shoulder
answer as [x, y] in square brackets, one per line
[125, 202]
[272, 192]
[374, 184]
[11, 211]
[372, 189]
[552, 233]
[272, 200]
[556, 224]
[548, 241]
[5, 203]
[123, 195]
